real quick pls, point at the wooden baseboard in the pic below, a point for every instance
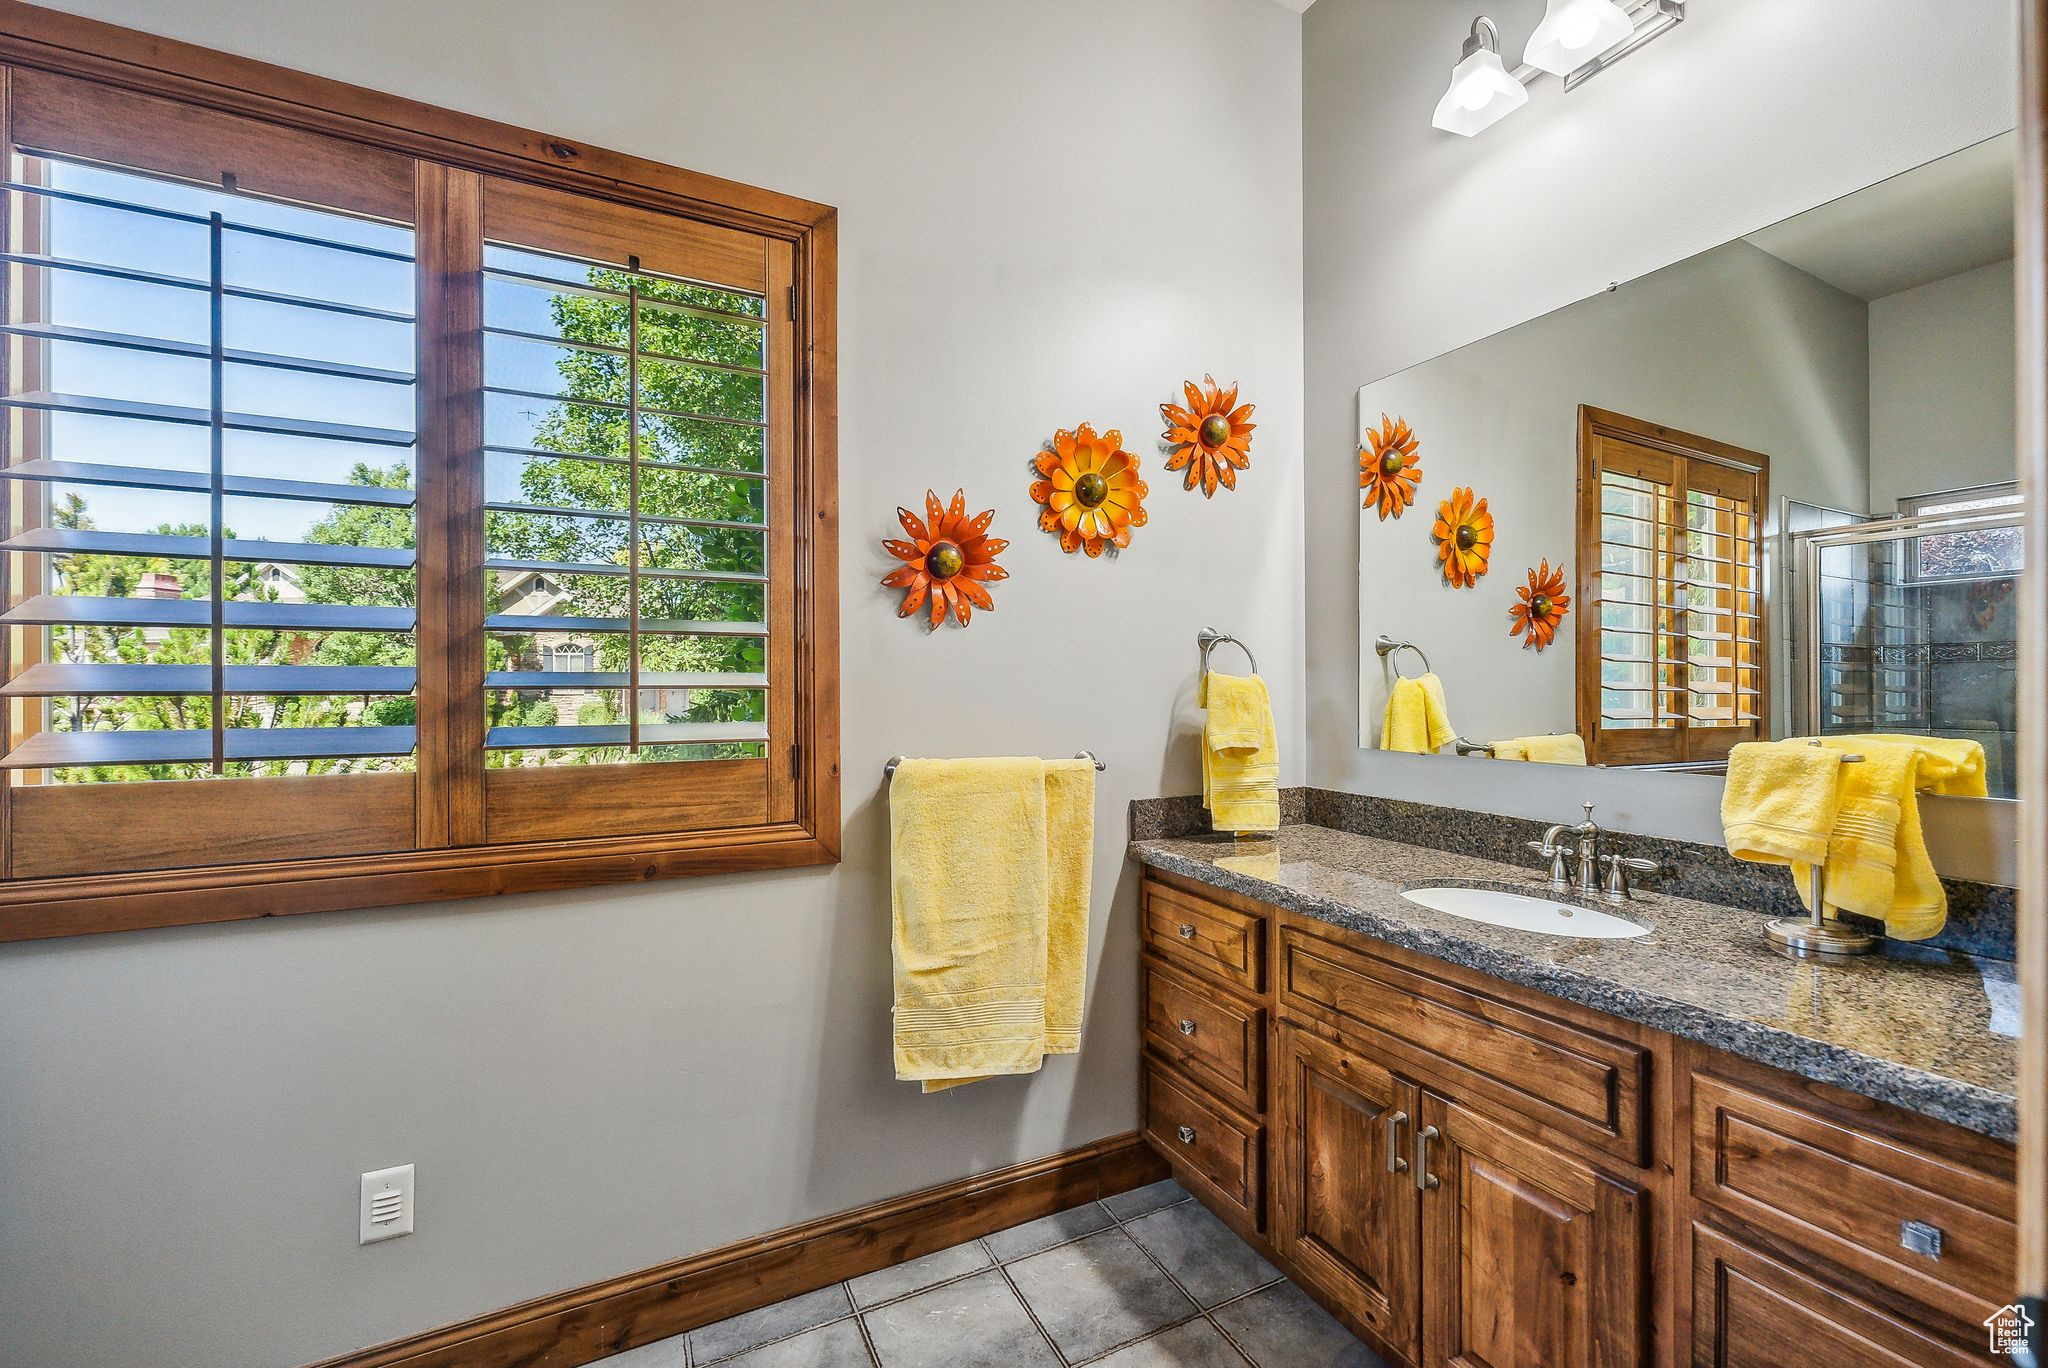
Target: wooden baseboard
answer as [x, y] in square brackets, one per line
[589, 1323]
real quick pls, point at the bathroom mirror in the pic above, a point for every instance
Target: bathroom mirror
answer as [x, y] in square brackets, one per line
[1777, 477]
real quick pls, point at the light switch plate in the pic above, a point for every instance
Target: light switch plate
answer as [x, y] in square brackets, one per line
[387, 1208]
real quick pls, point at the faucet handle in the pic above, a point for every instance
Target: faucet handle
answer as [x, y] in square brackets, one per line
[1619, 867]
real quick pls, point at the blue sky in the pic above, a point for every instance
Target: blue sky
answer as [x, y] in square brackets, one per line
[169, 247]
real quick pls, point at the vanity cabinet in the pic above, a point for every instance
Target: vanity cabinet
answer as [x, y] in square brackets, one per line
[1444, 1230]
[1471, 1173]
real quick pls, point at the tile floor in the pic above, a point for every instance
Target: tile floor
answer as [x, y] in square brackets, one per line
[1145, 1279]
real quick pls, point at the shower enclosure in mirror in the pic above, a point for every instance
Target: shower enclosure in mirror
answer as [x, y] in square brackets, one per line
[1779, 476]
[1908, 624]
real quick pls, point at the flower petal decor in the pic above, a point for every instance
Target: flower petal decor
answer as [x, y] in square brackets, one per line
[1464, 536]
[949, 560]
[1090, 490]
[1540, 607]
[1388, 466]
[1211, 437]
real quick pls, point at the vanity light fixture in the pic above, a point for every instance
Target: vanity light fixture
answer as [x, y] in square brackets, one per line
[1577, 39]
[1482, 92]
[1573, 33]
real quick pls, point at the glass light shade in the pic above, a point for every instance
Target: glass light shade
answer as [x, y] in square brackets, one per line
[1573, 33]
[1481, 93]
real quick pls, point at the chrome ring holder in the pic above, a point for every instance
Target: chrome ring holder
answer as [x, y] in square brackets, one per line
[1386, 646]
[1210, 639]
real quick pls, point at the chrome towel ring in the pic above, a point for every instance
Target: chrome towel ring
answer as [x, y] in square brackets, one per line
[1210, 639]
[1386, 646]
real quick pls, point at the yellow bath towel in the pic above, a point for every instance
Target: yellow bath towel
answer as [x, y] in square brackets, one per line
[1877, 862]
[1240, 754]
[1568, 749]
[1070, 866]
[1417, 720]
[990, 875]
[1778, 806]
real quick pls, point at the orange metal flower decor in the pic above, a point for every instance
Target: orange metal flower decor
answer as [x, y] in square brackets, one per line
[1212, 436]
[1091, 490]
[1543, 604]
[1464, 534]
[1389, 467]
[949, 559]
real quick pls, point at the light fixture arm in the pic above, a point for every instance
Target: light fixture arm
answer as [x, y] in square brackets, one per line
[1485, 34]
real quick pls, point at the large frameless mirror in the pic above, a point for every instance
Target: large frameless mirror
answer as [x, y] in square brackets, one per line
[1772, 484]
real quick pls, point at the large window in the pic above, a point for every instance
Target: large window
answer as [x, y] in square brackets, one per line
[1671, 651]
[379, 526]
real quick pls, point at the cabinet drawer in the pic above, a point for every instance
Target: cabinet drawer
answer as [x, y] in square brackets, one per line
[1215, 1038]
[1210, 1149]
[1580, 1083]
[1752, 1311]
[1205, 935]
[1852, 1196]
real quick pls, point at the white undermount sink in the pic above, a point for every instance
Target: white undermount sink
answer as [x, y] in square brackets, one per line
[1518, 912]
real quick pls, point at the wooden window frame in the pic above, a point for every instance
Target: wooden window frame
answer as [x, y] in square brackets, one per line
[1683, 744]
[454, 157]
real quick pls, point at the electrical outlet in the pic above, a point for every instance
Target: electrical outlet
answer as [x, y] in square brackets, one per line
[387, 1205]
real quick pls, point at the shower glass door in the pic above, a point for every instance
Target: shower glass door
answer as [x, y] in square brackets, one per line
[1910, 624]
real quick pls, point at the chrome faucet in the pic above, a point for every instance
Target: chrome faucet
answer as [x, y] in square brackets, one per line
[1579, 866]
[1584, 861]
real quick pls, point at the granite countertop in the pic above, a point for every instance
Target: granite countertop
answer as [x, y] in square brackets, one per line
[1933, 1031]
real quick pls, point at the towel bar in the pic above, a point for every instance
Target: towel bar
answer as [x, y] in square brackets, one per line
[1209, 639]
[1813, 934]
[889, 770]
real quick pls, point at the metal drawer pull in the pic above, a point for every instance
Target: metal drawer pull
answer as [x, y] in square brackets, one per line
[1187, 931]
[1921, 1238]
[1187, 1135]
[1395, 1163]
[1187, 1026]
[1424, 1179]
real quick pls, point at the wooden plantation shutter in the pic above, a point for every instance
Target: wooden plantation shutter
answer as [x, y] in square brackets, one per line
[637, 465]
[1671, 647]
[209, 481]
[393, 505]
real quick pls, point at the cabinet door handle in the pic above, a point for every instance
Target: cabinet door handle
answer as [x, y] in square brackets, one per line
[1187, 1026]
[1921, 1238]
[1395, 1163]
[1187, 1135]
[1187, 930]
[1424, 1179]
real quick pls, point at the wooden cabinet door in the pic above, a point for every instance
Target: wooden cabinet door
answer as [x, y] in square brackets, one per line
[1530, 1258]
[1345, 1197]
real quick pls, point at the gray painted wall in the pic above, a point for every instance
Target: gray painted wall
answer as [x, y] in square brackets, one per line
[1941, 414]
[1049, 212]
[1417, 242]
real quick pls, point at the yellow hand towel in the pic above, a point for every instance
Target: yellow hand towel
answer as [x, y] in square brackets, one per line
[1417, 720]
[989, 915]
[1877, 862]
[1568, 749]
[1778, 806]
[1240, 754]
